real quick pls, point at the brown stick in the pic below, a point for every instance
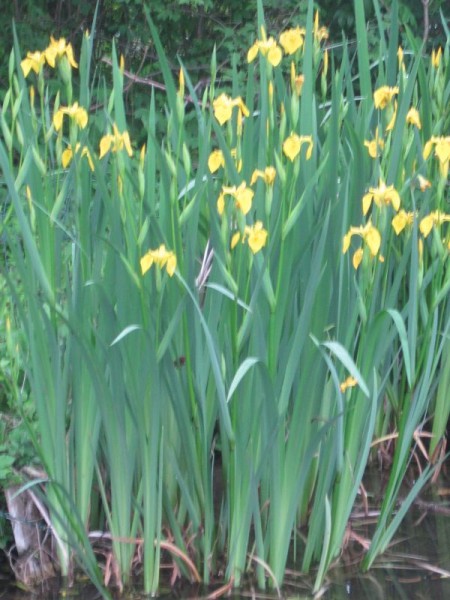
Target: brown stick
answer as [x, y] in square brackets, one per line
[143, 80]
[426, 19]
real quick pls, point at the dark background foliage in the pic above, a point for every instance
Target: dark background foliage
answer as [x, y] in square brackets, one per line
[189, 30]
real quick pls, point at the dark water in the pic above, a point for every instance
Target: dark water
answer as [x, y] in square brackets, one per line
[413, 567]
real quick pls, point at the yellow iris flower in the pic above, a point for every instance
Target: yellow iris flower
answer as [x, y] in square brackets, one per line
[268, 47]
[375, 145]
[223, 108]
[162, 258]
[434, 219]
[348, 383]
[292, 39]
[243, 197]
[441, 151]
[293, 144]
[384, 95]
[57, 49]
[382, 196]
[68, 153]
[32, 62]
[255, 235]
[75, 112]
[413, 118]
[115, 142]
[268, 175]
[371, 237]
[401, 220]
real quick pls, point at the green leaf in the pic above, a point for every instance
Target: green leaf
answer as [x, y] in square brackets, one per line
[240, 374]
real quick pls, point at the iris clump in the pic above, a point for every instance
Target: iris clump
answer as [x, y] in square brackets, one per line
[219, 330]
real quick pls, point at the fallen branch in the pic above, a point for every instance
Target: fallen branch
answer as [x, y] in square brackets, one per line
[152, 82]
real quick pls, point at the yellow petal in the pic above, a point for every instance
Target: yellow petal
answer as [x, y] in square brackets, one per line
[269, 175]
[221, 204]
[442, 149]
[298, 84]
[252, 53]
[146, 262]
[85, 152]
[393, 197]
[399, 222]
[274, 56]
[50, 56]
[372, 238]
[235, 239]
[255, 175]
[291, 146]
[223, 114]
[127, 143]
[222, 107]
[81, 117]
[257, 240]
[357, 258]
[66, 157]
[413, 118]
[171, 264]
[426, 224]
[142, 156]
[240, 104]
[400, 54]
[181, 83]
[216, 160]
[366, 202]
[26, 65]
[391, 124]
[436, 57]
[69, 54]
[371, 147]
[292, 40]
[346, 242]
[105, 145]
[427, 149]
[244, 197]
[58, 119]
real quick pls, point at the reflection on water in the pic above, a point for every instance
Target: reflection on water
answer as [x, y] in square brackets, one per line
[416, 564]
[414, 567]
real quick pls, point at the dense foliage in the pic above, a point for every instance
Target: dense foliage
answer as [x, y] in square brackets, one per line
[209, 321]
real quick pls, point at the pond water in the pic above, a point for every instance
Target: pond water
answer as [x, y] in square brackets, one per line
[415, 566]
